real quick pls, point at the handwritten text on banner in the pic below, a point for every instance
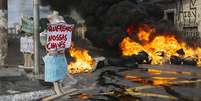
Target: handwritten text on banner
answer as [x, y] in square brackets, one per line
[59, 36]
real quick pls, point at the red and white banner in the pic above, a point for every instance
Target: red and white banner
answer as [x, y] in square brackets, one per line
[59, 36]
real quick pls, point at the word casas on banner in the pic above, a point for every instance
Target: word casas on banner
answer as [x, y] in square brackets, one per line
[59, 36]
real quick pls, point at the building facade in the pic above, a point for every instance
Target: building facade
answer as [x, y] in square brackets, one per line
[186, 15]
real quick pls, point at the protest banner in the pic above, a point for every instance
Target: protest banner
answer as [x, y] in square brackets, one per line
[27, 25]
[26, 44]
[59, 36]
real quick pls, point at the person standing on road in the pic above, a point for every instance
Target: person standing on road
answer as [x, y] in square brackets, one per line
[55, 60]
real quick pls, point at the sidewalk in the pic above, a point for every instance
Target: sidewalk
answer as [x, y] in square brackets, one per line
[17, 85]
[14, 83]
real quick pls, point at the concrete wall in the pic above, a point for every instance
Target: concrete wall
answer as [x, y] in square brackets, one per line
[187, 18]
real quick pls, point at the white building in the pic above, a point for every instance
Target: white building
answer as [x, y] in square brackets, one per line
[186, 15]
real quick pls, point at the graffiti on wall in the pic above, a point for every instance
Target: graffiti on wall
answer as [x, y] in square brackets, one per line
[187, 17]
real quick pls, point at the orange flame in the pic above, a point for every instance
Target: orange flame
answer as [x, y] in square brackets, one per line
[129, 47]
[166, 43]
[84, 96]
[83, 61]
[156, 81]
[144, 33]
[136, 79]
[158, 72]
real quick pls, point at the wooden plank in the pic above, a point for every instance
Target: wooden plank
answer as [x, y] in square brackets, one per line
[151, 95]
[132, 93]
[178, 71]
[53, 97]
[168, 84]
[177, 68]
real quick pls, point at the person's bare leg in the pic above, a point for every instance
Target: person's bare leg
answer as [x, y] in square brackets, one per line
[61, 86]
[25, 60]
[29, 60]
[57, 88]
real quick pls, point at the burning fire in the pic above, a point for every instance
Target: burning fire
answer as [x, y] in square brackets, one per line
[84, 96]
[162, 80]
[83, 61]
[144, 33]
[160, 47]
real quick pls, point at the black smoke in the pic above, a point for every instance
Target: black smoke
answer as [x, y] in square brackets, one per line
[107, 20]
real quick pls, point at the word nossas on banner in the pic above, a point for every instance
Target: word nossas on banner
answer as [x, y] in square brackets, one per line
[56, 41]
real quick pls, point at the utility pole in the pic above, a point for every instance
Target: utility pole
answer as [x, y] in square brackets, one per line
[36, 37]
[3, 31]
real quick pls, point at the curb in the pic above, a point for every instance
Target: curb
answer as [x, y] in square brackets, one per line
[28, 96]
